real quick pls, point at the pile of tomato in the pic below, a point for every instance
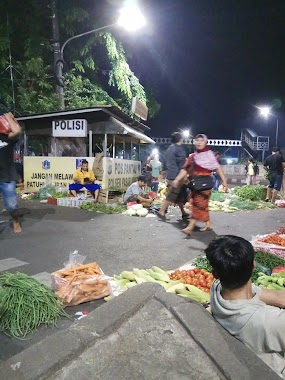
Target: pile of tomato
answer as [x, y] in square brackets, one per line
[200, 278]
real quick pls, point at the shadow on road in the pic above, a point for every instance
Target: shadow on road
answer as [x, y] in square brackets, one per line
[203, 237]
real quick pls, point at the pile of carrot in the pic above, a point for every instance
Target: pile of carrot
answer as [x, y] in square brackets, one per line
[80, 283]
[274, 239]
[79, 272]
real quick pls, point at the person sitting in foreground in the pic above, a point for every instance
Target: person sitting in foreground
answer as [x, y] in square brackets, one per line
[84, 179]
[251, 314]
[135, 192]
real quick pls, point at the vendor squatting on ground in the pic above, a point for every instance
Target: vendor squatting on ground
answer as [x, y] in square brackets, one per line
[136, 193]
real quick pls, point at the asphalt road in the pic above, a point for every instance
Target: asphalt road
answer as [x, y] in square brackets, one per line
[115, 242]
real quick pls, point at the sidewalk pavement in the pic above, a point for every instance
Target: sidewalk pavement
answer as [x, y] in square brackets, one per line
[143, 334]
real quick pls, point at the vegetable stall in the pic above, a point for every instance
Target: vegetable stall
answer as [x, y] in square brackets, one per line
[243, 198]
[25, 304]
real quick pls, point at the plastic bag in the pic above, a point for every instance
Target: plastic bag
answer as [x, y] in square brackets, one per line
[78, 283]
[48, 190]
[74, 259]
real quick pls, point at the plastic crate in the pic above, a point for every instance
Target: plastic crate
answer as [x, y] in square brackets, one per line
[71, 202]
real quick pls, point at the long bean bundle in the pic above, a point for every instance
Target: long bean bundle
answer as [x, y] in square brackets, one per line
[25, 304]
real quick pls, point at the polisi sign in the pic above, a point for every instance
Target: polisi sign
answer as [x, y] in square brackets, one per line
[69, 128]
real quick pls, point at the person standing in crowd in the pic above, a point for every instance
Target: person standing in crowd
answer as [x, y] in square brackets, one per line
[283, 180]
[155, 166]
[252, 170]
[200, 164]
[8, 173]
[216, 177]
[174, 161]
[274, 165]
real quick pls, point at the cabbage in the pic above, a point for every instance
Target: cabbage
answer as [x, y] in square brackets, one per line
[137, 206]
[131, 212]
[142, 212]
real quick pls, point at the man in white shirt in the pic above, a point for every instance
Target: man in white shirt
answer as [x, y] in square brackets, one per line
[253, 315]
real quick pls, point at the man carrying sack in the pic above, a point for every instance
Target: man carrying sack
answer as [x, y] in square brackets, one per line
[10, 131]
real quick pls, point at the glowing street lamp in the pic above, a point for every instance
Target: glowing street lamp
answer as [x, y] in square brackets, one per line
[186, 134]
[130, 18]
[265, 112]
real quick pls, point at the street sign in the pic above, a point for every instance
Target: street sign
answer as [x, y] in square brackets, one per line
[263, 143]
[69, 128]
[139, 108]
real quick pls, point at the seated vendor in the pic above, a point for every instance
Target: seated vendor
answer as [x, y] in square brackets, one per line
[253, 315]
[84, 179]
[135, 192]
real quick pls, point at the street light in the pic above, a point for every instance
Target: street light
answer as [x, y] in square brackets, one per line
[265, 112]
[130, 18]
[186, 134]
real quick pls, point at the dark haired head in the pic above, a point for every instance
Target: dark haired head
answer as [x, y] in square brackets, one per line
[142, 179]
[84, 162]
[251, 160]
[232, 260]
[276, 150]
[176, 137]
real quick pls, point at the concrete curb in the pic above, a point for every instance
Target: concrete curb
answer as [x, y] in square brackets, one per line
[234, 360]
[38, 362]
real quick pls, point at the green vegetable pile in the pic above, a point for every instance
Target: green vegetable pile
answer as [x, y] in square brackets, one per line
[251, 193]
[60, 194]
[103, 208]
[274, 282]
[255, 275]
[243, 204]
[202, 263]
[25, 304]
[267, 260]
[216, 196]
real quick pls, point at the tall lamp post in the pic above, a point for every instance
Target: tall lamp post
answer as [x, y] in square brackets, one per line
[265, 112]
[130, 18]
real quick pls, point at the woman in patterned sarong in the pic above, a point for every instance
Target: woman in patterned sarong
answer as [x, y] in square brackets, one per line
[200, 163]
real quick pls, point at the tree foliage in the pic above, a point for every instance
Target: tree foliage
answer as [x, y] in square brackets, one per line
[96, 70]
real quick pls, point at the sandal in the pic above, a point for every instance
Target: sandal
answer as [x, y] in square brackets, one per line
[206, 228]
[162, 217]
[186, 232]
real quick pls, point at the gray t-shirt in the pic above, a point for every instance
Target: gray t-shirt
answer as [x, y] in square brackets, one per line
[175, 158]
[259, 326]
[134, 189]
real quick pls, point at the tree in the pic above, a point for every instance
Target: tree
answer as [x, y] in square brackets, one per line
[96, 70]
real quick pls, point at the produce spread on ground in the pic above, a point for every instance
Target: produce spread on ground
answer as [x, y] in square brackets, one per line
[25, 304]
[240, 198]
[237, 199]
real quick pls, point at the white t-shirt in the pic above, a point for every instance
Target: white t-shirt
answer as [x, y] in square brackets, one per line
[259, 326]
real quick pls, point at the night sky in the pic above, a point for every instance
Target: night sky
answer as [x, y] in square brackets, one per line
[210, 61]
